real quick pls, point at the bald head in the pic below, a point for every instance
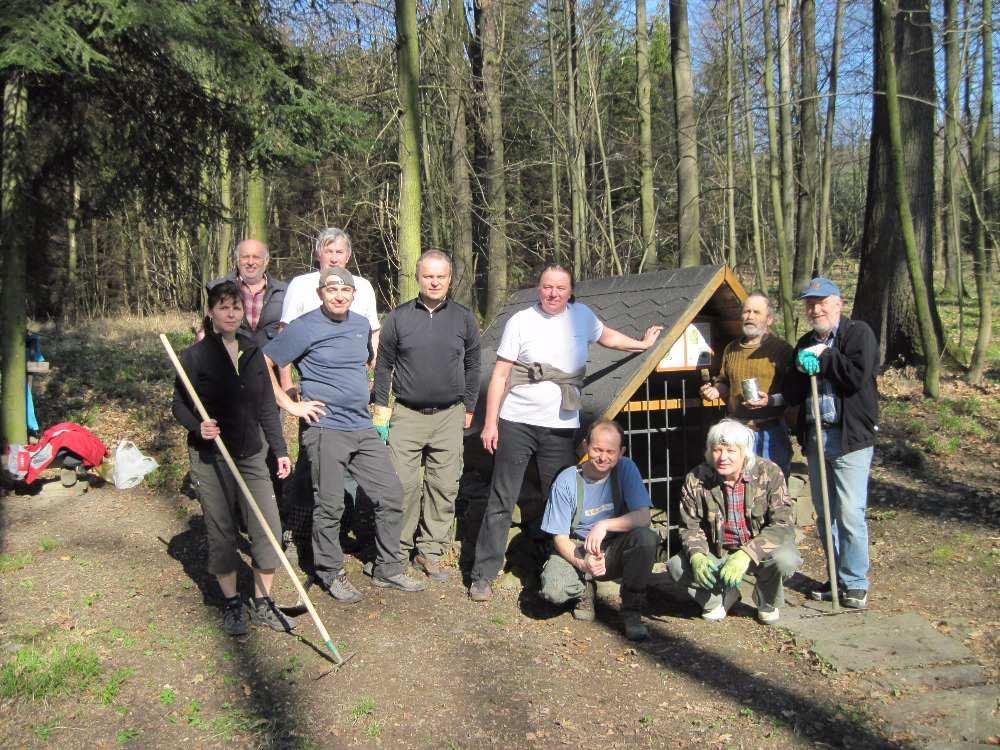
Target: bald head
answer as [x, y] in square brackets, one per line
[251, 260]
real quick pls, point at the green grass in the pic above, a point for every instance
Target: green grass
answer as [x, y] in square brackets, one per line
[374, 730]
[47, 543]
[168, 697]
[235, 721]
[113, 687]
[365, 708]
[33, 675]
[14, 561]
[125, 736]
[44, 731]
[941, 555]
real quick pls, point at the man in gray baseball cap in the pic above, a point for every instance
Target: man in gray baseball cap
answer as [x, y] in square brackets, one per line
[331, 347]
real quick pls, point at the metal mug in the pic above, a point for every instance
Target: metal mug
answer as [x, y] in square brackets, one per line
[751, 391]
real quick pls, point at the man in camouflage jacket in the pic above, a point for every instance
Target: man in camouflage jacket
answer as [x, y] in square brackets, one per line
[735, 516]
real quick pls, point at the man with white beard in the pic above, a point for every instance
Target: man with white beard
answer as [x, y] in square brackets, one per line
[759, 355]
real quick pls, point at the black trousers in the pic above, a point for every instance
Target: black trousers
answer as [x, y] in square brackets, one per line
[553, 451]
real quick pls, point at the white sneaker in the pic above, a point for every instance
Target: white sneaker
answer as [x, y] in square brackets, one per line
[719, 613]
[767, 614]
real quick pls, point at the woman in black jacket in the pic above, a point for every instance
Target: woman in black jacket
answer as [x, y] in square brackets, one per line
[229, 375]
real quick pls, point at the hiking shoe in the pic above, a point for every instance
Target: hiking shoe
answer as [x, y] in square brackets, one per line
[584, 608]
[767, 614]
[480, 591]
[340, 588]
[632, 623]
[264, 611]
[431, 568]
[820, 592]
[855, 598]
[719, 612]
[399, 581]
[234, 619]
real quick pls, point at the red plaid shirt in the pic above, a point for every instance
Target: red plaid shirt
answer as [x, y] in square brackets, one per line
[735, 532]
[253, 303]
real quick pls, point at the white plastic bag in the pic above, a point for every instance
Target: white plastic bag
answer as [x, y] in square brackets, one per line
[130, 465]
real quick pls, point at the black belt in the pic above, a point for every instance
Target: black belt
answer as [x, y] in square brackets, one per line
[427, 409]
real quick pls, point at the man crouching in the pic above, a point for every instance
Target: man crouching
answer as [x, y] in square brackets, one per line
[735, 515]
[598, 513]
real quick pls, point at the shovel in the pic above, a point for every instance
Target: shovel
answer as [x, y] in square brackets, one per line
[303, 596]
[831, 564]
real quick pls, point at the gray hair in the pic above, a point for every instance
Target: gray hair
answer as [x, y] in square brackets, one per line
[433, 255]
[735, 434]
[328, 235]
[767, 301]
[236, 250]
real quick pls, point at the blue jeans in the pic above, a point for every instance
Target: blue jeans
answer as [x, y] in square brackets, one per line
[847, 487]
[773, 444]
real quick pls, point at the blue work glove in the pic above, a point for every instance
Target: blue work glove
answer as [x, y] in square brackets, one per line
[732, 571]
[383, 432]
[808, 362]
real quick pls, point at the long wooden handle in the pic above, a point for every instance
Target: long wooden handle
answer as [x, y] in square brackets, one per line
[831, 564]
[252, 503]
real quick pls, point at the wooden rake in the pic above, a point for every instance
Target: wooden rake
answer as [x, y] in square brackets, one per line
[338, 660]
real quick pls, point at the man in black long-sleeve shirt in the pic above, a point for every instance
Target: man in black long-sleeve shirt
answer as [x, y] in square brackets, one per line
[429, 353]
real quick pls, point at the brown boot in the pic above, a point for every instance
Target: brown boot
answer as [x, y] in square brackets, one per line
[431, 568]
[584, 609]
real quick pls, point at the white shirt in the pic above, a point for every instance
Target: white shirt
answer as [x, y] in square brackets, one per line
[301, 297]
[562, 341]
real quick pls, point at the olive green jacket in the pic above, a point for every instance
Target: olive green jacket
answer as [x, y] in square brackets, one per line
[769, 512]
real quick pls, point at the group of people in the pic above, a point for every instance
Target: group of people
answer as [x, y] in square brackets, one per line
[400, 440]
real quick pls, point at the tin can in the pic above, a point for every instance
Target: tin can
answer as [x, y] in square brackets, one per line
[751, 391]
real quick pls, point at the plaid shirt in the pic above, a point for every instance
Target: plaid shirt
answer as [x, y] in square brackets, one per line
[253, 303]
[735, 532]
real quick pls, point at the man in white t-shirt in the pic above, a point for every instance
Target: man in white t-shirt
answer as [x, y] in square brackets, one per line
[533, 405]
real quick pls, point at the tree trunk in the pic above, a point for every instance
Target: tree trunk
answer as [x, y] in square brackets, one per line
[605, 173]
[951, 181]
[408, 82]
[256, 205]
[488, 17]
[914, 255]
[826, 180]
[577, 156]
[463, 258]
[224, 254]
[647, 208]
[72, 243]
[805, 246]
[884, 296]
[786, 85]
[751, 148]
[979, 166]
[774, 175]
[688, 214]
[727, 33]
[15, 222]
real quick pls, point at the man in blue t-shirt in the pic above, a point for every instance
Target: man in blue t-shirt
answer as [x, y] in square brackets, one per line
[331, 346]
[598, 514]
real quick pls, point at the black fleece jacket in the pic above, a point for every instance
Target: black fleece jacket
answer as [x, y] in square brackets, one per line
[242, 403]
[850, 365]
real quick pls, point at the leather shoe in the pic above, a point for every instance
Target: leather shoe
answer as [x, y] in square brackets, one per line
[480, 591]
[431, 568]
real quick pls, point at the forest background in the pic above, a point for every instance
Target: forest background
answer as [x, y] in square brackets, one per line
[142, 140]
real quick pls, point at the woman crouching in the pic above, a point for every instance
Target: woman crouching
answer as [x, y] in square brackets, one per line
[735, 516]
[228, 373]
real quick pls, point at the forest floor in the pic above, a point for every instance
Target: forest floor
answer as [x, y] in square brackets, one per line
[109, 630]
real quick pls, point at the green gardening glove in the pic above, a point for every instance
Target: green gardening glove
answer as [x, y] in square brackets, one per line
[808, 362]
[734, 568]
[380, 418]
[704, 570]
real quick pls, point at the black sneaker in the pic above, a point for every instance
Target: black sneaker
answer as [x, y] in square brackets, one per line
[340, 588]
[855, 598]
[234, 620]
[264, 611]
[584, 608]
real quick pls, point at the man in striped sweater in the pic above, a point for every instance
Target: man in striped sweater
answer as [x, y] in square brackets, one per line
[762, 355]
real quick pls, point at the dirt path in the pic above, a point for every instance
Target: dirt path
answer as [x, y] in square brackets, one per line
[119, 573]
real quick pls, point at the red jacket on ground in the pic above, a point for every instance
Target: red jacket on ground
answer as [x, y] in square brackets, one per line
[71, 436]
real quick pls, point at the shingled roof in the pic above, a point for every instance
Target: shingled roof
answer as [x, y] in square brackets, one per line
[630, 304]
